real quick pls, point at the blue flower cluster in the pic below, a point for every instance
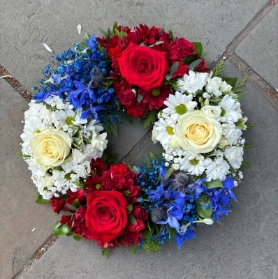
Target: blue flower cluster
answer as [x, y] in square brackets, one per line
[178, 203]
[82, 77]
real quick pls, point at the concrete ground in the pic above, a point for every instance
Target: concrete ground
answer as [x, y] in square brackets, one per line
[244, 33]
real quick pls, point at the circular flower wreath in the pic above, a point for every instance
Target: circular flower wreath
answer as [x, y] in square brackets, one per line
[195, 112]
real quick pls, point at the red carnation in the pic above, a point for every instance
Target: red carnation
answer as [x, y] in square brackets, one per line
[57, 204]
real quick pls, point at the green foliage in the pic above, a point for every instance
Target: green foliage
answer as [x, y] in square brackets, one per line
[214, 184]
[244, 165]
[248, 146]
[198, 48]
[24, 156]
[134, 248]
[40, 199]
[151, 245]
[217, 70]
[203, 206]
[194, 64]
[169, 172]
[251, 125]
[105, 252]
[150, 118]
[61, 229]
[238, 85]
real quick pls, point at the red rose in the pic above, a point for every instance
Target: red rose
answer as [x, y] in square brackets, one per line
[143, 66]
[106, 216]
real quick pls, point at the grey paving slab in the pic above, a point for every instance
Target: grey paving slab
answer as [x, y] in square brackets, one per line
[25, 27]
[244, 245]
[259, 49]
[24, 225]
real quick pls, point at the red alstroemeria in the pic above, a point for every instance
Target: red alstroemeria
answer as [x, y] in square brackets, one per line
[156, 97]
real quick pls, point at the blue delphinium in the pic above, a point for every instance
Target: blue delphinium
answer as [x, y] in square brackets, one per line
[177, 203]
[82, 78]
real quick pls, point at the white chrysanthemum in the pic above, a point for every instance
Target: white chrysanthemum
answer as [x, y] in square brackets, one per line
[193, 82]
[216, 169]
[44, 185]
[32, 125]
[34, 110]
[78, 120]
[62, 119]
[230, 109]
[164, 130]
[178, 104]
[234, 155]
[195, 165]
[231, 132]
[57, 102]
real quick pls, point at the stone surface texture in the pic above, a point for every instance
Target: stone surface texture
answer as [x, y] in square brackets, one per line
[25, 225]
[25, 29]
[259, 49]
[245, 244]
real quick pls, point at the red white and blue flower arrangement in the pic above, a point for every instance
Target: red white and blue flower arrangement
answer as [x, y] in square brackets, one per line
[147, 73]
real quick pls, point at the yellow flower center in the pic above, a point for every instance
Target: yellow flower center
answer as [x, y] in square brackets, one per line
[170, 130]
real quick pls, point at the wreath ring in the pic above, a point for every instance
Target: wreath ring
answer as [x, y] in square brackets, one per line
[143, 72]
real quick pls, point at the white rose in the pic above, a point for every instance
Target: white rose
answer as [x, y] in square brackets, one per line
[51, 147]
[212, 111]
[234, 155]
[213, 85]
[198, 133]
[225, 87]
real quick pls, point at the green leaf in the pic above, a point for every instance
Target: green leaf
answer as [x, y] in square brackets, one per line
[194, 64]
[188, 60]
[115, 28]
[71, 207]
[150, 118]
[132, 219]
[103, 32]
[198, 48]
[217, 70]
[105, 252]
[77, 237]
[148, 232]
[174, 68]
[168, 77]
[40, 199]
[61, 229]
[229, 80]
[86, 36]
[169, 172]
[214, 184]
[203, 206]
[139, 98]
[66, 213]
[134, 249]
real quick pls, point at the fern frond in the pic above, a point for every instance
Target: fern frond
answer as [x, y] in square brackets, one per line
[217, 70]
[150, 118]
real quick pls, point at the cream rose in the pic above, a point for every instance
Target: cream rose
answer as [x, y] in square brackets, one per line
[198, 133]
[50, 147]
